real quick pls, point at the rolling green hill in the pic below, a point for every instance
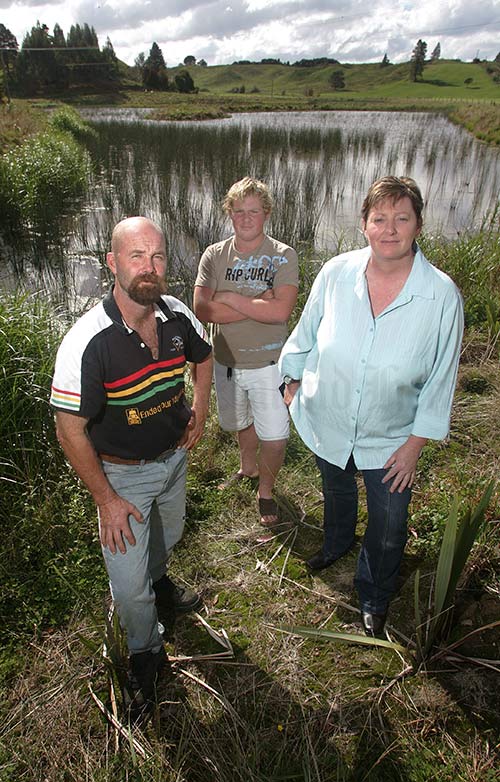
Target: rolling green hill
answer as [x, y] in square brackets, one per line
[443, 79]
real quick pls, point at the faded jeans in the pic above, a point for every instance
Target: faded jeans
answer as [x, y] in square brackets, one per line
[158, 490]
[385, 536]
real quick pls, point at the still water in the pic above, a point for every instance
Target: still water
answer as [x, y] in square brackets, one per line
[318, 165]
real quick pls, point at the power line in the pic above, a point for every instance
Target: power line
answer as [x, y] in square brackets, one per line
[49, 49]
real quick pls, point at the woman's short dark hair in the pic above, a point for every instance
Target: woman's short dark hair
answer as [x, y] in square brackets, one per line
[395, 188]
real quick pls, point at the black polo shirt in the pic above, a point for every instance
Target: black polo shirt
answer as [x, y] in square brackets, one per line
[135, 404]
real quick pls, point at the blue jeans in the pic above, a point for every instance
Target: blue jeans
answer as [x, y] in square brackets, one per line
[385, 536]
[158, 490]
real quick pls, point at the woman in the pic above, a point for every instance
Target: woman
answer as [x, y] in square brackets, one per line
[370, 371]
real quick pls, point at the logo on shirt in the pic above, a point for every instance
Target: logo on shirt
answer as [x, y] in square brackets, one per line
[133, 416]
[178, 343]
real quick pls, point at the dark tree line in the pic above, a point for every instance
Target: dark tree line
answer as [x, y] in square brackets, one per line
[54, 61]
[154, 76]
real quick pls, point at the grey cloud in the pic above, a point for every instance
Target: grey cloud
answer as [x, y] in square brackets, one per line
[30, 3]
[230, 17]
[464, 20]
[103, 17]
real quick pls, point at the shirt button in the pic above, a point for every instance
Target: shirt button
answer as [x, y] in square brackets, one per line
[363, 360]
[357, 391]
[143, 345]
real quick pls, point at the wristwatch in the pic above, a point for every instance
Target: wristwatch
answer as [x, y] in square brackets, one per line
[287, 379]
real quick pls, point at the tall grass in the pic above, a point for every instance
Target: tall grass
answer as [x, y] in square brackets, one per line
[473, 262]
[42, 180]
[46, 517]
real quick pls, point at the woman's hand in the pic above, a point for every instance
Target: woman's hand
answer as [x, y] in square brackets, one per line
[402, 465]
[290, 391]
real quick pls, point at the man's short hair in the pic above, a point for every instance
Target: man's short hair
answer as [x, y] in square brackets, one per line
[248, 186]
[122, 228]
[394, 188]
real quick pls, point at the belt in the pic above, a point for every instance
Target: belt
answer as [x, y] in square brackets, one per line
[107, 457]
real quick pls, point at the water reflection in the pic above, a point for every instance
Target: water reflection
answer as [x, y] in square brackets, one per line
[319, 165]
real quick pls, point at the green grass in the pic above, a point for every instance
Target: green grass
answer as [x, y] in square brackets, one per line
[442, 89]
[45, 175]
[43, 509]
[444, 79]
[289, 708]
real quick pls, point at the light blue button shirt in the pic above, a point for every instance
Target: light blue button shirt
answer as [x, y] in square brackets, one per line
[369, 383]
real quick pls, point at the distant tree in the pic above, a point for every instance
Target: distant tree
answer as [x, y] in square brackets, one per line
[202, 63]
[337, 80]
[140, 60]
[417, 62]
[62, 58]
[155, 78]
[8, 49]
[270, 61]
[385, 61]
[110, 61]
[89, 36]
[315, 62]
[155, 58]
[108, 51]
[36, 65]
[184, 82]
[436, 53]
[88, 64]
[189, 60]
[154, 71]
[82, 36]
[58, 39]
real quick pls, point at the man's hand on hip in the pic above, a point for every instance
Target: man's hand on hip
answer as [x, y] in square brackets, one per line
[114, 524]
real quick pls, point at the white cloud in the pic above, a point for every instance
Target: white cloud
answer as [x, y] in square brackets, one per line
[221, 31]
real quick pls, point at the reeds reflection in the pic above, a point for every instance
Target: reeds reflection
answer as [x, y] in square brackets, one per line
[318, 165]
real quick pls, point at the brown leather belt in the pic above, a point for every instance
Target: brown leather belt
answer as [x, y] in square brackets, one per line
[107, 457]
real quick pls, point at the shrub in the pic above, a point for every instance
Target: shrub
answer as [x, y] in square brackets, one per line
[42, 178]
[68, 120]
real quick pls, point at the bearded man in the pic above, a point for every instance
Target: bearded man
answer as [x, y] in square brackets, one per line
[126, 427]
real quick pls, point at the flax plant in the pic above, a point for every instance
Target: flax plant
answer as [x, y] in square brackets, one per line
[460, 534]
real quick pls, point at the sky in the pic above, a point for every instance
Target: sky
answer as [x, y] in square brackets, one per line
[222, 31]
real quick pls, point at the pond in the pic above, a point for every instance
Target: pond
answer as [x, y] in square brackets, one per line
[318, 165]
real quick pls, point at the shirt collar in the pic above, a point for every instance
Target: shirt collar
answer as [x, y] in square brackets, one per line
[112, 310]
[420, 281]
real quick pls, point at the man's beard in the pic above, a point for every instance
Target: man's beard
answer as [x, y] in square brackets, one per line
[147, 288]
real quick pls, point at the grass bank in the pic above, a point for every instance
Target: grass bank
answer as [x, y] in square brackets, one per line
[282, 708]
[469, 93]
[43, 175]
